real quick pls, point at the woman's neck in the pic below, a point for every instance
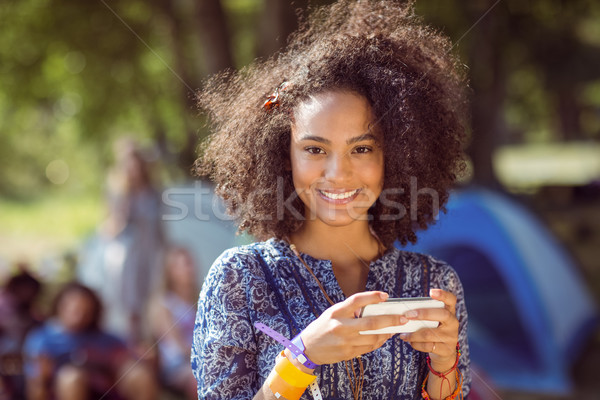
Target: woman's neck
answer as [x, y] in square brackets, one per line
[350, 248]
[342, 245]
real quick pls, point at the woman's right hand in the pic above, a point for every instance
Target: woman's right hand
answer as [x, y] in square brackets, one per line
[334, 336]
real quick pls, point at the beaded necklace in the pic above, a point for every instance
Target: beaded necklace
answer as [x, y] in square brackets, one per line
[356, 382]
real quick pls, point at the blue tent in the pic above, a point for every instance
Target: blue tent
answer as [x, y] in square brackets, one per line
[529, 310]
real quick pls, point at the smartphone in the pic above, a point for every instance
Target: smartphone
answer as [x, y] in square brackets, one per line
[399, 306]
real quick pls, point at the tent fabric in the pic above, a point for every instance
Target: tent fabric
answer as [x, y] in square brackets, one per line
[529, 310]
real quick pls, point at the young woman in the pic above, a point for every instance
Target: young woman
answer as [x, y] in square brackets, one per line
[356, 147]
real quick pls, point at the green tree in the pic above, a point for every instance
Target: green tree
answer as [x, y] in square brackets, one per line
[533, 67]
[74, 75]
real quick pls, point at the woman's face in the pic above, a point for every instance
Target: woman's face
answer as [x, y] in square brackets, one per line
[76, 311]
[336, 159]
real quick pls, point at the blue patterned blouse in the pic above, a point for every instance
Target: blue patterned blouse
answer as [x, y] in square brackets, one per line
[266, 282]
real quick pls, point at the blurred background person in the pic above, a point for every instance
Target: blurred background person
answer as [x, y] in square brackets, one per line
[70, 357]
[172, 315]
[122, 261]
[17, 318]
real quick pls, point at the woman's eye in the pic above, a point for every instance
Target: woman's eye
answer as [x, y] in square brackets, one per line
[313, 150]
[362, 149]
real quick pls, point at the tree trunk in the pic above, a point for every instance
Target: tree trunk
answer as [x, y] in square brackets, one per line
[278, 20]
[488, 81]
[186, 155]
[214, 36]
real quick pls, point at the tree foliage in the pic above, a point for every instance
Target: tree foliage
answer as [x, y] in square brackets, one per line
[74, 75]
[534, 69]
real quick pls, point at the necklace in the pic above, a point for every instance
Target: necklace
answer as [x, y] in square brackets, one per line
[356, 383]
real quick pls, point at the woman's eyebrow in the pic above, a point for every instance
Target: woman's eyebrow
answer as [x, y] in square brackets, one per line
[359, 138]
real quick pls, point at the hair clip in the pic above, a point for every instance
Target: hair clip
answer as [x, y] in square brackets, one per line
[273, 99]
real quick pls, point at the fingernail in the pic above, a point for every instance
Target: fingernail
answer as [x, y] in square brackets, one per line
[403, 320]
[403, 336]
[435, 292]
[411, 314]
[383, 296]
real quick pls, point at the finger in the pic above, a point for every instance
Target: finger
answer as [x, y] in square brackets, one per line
[377, 322]
[431, 314]
[363, 349]
[426, 347]
[437, 349]
[357, 301]
[371, 340]
[362, 345]
[428, 335]
[448, 298]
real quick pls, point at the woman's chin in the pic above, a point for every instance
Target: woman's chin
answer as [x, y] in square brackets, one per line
[340, 218]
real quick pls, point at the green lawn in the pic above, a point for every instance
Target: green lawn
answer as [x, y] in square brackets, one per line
[46, 227]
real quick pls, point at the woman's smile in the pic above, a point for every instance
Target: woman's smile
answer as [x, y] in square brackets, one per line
[339, 197]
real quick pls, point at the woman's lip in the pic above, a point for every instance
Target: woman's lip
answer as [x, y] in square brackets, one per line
[338, 192]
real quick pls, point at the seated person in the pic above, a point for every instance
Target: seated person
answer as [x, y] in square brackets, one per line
[17, 318]
[70, 357]
[172, 316]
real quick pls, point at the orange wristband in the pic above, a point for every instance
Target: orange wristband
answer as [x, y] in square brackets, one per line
[291, 374]
[281, 388]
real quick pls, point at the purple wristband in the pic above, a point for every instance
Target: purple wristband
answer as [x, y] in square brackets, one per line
[296, 347]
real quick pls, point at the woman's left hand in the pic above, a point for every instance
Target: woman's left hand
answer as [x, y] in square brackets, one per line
[439, 342]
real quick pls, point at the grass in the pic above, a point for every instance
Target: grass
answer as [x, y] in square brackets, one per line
[47, 227]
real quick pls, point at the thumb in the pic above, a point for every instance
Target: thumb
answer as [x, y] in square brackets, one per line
[352, 305]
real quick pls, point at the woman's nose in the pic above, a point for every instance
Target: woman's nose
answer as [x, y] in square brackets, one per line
[338, 167]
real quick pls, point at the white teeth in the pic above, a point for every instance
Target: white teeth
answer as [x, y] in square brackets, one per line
[338, 196]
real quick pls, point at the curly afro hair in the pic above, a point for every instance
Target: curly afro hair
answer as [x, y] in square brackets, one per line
[377, 49]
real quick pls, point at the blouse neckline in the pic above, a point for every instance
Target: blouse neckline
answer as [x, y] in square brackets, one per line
[323, 268]
[281, 243]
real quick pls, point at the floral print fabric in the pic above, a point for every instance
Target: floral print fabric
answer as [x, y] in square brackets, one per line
[266, 282]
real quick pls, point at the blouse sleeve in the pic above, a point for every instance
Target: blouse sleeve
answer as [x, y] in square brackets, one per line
[447, 279]
[224, 348]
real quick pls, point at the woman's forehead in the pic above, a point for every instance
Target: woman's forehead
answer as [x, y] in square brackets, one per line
[327, 98]
[334, 109]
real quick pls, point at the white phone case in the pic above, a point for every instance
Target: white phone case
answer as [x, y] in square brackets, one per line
[400, 306]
